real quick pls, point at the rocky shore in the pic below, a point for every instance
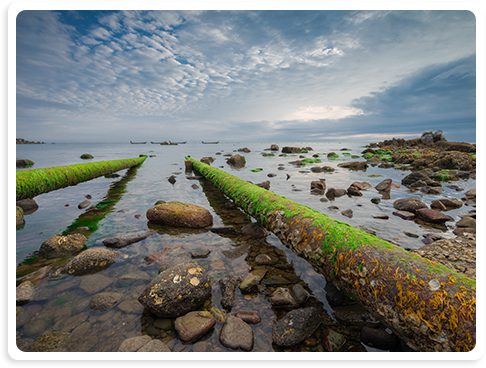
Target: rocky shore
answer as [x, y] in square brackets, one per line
[181, 298]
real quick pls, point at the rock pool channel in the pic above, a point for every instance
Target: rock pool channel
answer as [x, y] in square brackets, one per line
[62, 316]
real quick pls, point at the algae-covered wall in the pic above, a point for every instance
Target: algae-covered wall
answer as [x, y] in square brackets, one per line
[33, 182]
[429, 306]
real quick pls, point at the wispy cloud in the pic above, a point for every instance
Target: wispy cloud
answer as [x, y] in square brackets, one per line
[262, 73]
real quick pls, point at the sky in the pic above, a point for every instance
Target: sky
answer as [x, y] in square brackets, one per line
[244, 76]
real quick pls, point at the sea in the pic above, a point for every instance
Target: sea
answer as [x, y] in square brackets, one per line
[62, 303]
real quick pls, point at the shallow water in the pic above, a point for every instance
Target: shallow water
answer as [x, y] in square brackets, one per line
[62, 303]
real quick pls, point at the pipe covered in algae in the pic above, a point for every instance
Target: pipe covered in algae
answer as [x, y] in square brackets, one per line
[430, 307]
[33, 182]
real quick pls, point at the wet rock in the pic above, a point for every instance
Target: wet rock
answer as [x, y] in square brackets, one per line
[446, 204]
[86, 156]
[104, 301]
[225, 230]
[28, 205]
[124, 241]
[379, 339]
[236, 252]
[301, 295]
[84, 204]
[194, 325]
[236, 160]
[228, 286]
[318, 186]
[427, 137]
[381, 217]
[348, 213]
[355, 315]
[353, 190]
[336, 297]
[375, 200]
[417, 175]
[249, 284]
[177, 290]
[432, 190]
[207, 160]
[291, 149]
[200, 253]
[132, 344]
[466, 221]
[180, 214]
[62, 245]
[19, 216]
[263, 259]
[471, 193]
[35, 327]
[154, 345]
[24, 163]
[264, 185]
[90, 261]
[332, 193]
[255, 229]
[49, 342]
[92, 284]
[25, 293]
[282, 298]
[355, 165]
[411, 204]
[332, 340]
[430, 238]
[404, 215]
[361, 185]
[384, 186]
[433, 216]
[274, 147]
[249, 317]
[236, 334]
[295, 327]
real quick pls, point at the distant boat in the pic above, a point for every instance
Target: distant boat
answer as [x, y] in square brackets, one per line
[210, 142]
[180, 142]
[138, 142]
[156, 142]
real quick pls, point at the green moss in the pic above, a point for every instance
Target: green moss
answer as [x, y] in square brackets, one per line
[382, 152]
[334, 155]
[307, 161]
[256, 170]
[265, 154]
[368, 155]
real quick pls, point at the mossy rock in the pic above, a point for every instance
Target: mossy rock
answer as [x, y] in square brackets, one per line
[86, 156]
[24, 163]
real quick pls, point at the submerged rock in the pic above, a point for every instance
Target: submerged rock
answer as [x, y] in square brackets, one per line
[62, 245]
[124, 241]
[295, 327]
[194, 325]
[228, 286]
[180, 215]
[24, 293]
[236, 334]
[177, 290]
[90, 261]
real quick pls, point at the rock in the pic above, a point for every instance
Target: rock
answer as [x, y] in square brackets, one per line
[410, 204]
[28, 205]
[228, 286]
[154, 345]
[249, 317]
[318, 186]
[104, 301]
[427, 137]
[291, 150]
[194, 325]
[263, 259]
[354, 315]
[432, 190]
[354, 191]
[264, 185]
[172, 179]
[255, 229]
[471, 193]
[404, 215]
[245, 149]
[188, 165]
[93, 284]
[84, 204]
[207, 160]
[236, 252]
[123, 242]
[90, 261]
[24, 163]
[295, 327]
[348, 213]
[375, 200]
[301, 295]
[379, 339]
[438, 136]
[466, 221]
[274, 147]
[361, 185]
[249, 284]
[355, 165]
[384, 186]
[446, 204]
[282, 298]
[332, 193]
[132, 344]
[236, 334]
[86, 156]
[433, 216]
[271, 175]
[200, 253]
[236, 160]
[50, 342]
[19, 216]
[62, 245]
[36, 327]
[336, 297]
[417, 175]
[25, 293]
[381, 217]
[177, 290]
[332, 340]
[180, 214]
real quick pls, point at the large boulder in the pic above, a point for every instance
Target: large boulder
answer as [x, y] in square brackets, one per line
[90, 261]
[28, 205]
[177, 290]
[62, 245]
[427, 137]
[236, 160]
[180, 215]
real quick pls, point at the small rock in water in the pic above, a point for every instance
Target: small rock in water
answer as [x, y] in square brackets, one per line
[282, 298]
[104, 301]
[228, 286]
[379, 339]
[333, 341]
[90, 261]
[62, 245]
[25, 292]
[200, 253]
[375, 200]
[348, 213]
[249, 317]
[249, 284]
[300, 293]
[193, 325]
[295, 327]
[84, 204]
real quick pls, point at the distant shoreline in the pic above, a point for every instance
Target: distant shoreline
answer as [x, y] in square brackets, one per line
[23, 141]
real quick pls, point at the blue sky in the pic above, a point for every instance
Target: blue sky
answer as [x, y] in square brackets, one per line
[271, 76]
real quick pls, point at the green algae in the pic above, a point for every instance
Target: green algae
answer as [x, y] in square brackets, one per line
[32, 182]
